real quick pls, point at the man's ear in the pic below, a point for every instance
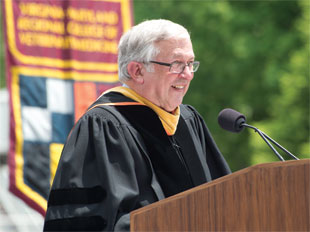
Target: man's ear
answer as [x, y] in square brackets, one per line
[135, 70]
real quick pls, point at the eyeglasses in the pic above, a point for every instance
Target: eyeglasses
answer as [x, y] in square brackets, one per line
[178, 67]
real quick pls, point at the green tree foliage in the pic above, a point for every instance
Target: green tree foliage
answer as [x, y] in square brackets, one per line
[289, 120]
[250, 54]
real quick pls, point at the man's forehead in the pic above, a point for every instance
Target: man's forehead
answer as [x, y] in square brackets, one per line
[176, 48]
[179, 54]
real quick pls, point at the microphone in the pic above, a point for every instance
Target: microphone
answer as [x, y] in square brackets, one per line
[231, 120]
[234, 121]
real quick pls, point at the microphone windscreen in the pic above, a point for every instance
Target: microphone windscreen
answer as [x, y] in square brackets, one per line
[231, 120]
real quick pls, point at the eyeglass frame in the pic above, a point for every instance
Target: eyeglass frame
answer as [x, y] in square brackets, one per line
[170, 65]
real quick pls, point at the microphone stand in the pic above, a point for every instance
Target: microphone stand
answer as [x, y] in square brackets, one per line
[266, 138]
[279, 146]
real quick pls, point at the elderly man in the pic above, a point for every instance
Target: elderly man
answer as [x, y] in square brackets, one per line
[138, 143]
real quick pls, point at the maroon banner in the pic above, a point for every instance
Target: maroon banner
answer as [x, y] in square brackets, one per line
[60, 56]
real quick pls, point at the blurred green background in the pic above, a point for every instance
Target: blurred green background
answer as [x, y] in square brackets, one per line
[254, 57]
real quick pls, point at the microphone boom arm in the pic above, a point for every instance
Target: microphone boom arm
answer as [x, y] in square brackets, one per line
[264, 138]
[279, 146]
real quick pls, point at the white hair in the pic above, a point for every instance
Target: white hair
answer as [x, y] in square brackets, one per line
[138, 44]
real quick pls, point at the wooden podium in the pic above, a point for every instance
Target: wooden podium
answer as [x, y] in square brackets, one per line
[264, 197]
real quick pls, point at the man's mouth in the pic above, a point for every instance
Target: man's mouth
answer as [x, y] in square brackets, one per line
[178, 86]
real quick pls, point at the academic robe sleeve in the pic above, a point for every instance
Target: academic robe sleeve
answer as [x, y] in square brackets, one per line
[101, 177]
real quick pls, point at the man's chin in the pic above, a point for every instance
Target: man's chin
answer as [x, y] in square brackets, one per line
[173, 108]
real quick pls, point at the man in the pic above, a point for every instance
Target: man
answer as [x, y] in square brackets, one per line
[136, 144]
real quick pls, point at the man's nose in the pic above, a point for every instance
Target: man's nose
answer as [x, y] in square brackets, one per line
[187, 73]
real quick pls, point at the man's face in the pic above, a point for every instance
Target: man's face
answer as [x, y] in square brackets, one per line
[163, 88]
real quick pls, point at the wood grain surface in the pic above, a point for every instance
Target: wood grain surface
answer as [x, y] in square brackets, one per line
[264, 197]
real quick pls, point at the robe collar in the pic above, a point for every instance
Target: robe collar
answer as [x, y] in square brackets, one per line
[168, 120]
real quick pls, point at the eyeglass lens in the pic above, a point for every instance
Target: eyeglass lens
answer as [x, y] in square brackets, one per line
[178, 67]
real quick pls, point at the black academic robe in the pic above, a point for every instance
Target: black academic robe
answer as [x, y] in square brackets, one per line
[118, 158]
